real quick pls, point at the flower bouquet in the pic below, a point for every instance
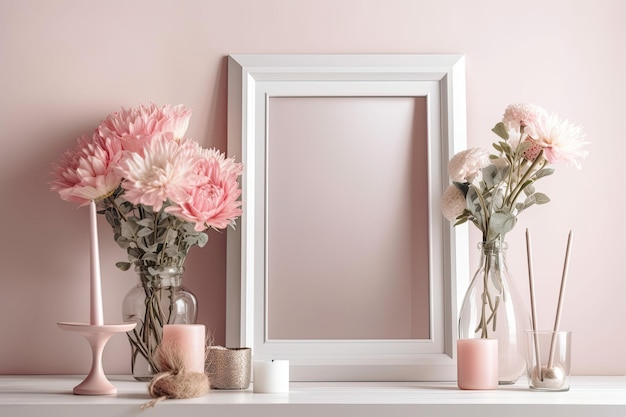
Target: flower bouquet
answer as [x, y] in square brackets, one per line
[160, 192]
[491, 190]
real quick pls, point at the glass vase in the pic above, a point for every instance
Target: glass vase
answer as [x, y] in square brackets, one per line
[157, 299]
[493, 309]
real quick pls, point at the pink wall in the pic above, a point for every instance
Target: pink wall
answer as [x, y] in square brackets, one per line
[66, 64]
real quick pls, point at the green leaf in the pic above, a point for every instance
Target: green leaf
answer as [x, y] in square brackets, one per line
[502, 222]
[544, 172]
[147, 222]
[124, 266]
[144, 231]
[506, 148]
[536, 198]
[490, 172]
[541, 198]
[498, 198]
[203, 238]
[171, 251]
[149, 257]
[529, 189]
[134, 252]
[461, 220]
[501, 131]
[523, 147]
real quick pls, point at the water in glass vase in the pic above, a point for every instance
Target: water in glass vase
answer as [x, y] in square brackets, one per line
[157, 299]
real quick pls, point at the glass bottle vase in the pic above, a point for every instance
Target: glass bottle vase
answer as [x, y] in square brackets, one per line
[157, 299]
[493, 309]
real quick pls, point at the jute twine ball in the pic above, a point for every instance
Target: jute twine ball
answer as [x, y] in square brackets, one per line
[173, 381]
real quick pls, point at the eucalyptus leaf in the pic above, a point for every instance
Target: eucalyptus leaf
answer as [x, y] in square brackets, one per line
[124, 266]
[146, 222]
[110, 217]
[541, 198]
[171, 251]
[506, 148]
[461, 220]
[203, 239]
[151, 257]
[544, 172]
[502, 222]
[490, 173]
[498, 198]
[529, 189]
[524, 146]
[501, 131]
[154, 248]
[144, 231]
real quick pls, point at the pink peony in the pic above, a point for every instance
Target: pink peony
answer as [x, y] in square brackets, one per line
[164, 171]
[452, 202]
[465, 165]
[561, 140]
[522, 114]
[136, 127]
[213, 200]
[89, 171]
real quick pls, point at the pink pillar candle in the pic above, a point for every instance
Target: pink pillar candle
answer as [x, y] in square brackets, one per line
[477, 363]
[189, 340]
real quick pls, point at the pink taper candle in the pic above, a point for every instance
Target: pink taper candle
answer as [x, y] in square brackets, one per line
[477, 363]
[189, 340]
[95, 309]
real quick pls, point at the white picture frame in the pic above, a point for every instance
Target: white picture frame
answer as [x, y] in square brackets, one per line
[252, 80]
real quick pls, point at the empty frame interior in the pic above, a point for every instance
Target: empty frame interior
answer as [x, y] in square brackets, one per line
[347, 218]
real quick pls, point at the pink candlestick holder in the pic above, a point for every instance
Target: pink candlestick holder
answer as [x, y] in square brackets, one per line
[96, 382]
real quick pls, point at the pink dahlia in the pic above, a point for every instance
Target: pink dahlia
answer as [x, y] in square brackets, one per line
[88, 172]
[465, 165]
[522, 114]
[213, 201]
[136, 127]
[452, 202]
[164, 171]
[561, 140]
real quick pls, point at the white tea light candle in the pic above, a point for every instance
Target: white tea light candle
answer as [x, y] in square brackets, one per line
[189, 339]
[271, 376]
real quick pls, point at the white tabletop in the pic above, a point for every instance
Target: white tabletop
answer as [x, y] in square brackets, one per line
[52, 396]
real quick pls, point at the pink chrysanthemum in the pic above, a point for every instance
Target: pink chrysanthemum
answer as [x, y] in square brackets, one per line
[88, 172]
[561, 140]
[164, 171]
[465, 165]
[522, 114]
[213, 200]
[136, 127]
[452, 202]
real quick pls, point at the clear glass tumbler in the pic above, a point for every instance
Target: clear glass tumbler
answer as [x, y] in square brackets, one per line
[548, 360]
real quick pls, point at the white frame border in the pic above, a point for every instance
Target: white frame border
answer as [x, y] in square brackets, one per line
[252, 79]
